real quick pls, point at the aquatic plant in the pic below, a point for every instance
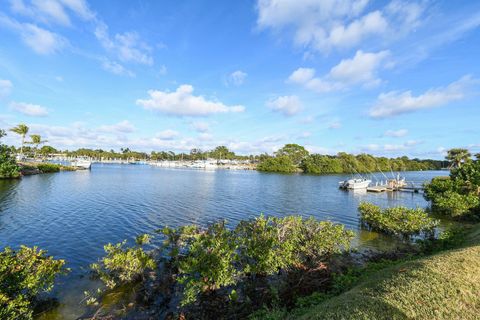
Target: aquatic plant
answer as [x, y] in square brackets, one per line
[24, 274]
[215, 257]
[458, 195]
[397, 220]
[123, 264]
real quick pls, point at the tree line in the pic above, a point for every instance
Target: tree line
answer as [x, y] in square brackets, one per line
[295, 158]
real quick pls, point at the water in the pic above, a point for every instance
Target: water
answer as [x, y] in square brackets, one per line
[72, 214]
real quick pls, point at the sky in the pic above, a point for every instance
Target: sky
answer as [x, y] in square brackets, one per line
[389, 78]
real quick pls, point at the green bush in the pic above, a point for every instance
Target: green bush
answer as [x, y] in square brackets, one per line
[210, 262]
[48, 167]
[216, 257]
[438, 186]
[123, 264]
[259, 245]
[8, 165]
[454, 204]
[281, 164]
[24, 274]
[396, 220]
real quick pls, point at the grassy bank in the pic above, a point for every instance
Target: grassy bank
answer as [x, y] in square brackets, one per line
[445, 285]
[29, 168]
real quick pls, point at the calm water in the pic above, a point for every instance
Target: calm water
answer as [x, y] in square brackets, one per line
[72, 214]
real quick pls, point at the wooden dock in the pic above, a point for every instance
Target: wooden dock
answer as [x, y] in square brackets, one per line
[377, 189]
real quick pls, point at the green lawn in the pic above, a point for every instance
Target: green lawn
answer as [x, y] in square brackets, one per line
[441, 286]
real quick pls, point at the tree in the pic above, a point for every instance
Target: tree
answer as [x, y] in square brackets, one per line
[294, 151]
[222, 152]
[457, 156]
[36, 141]
[21, 130]
[477, 155]
[8, 165]
[46, 150]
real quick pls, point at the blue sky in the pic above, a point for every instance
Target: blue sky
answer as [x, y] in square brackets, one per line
[384, 77]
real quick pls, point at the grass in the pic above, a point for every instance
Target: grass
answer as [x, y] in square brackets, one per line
[46, 167]
[445, 285]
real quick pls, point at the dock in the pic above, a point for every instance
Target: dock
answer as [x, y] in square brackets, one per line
[377, 189]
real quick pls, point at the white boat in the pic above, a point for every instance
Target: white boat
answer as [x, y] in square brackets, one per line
[355, 184]
[82, 163]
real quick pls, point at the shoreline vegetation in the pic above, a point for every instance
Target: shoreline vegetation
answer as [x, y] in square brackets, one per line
[292, 158]
[282, 268]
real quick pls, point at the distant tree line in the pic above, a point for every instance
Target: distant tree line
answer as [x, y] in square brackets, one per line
[295, 158]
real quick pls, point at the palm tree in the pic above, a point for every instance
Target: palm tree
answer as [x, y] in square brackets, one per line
[22, 130]
[458, 156]
[36, 141]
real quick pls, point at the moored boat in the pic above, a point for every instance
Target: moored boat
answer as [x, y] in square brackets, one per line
[82, 163]
[354, 183]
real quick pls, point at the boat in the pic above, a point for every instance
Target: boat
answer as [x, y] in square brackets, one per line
[360, 183]
[82, 163]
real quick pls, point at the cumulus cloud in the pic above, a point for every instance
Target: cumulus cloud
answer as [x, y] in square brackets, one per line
[324, 25]
[395, 103]
[182, 102]
[40, 40]
[362, 69]
[5, 87]
[201, 126]
[236, 78]
[396, 133]
[127, 46]
[286, 105]
[121, 127]
[167, 134]
[32, 110]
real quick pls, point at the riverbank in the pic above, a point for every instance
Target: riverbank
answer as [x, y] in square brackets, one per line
[445, 285]
[33, 168]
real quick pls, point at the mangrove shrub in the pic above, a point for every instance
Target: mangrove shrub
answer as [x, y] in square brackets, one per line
[123, 264]
[397, 220]
[24, 274]
[215, 257]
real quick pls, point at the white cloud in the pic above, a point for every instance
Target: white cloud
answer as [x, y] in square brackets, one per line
[305, 135]
[396, 133]
[324, 25]
[237, 78]
[127, 46]
[286, 105]
[362, 69]
[5, 87]
[167, 134]
[116, 68]
[52, 11]
[38, 39]
[391, 147]
[205, 136]
[182, 102]
[122, 127]
[201, 126]
[33, 110]
[394, 103]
